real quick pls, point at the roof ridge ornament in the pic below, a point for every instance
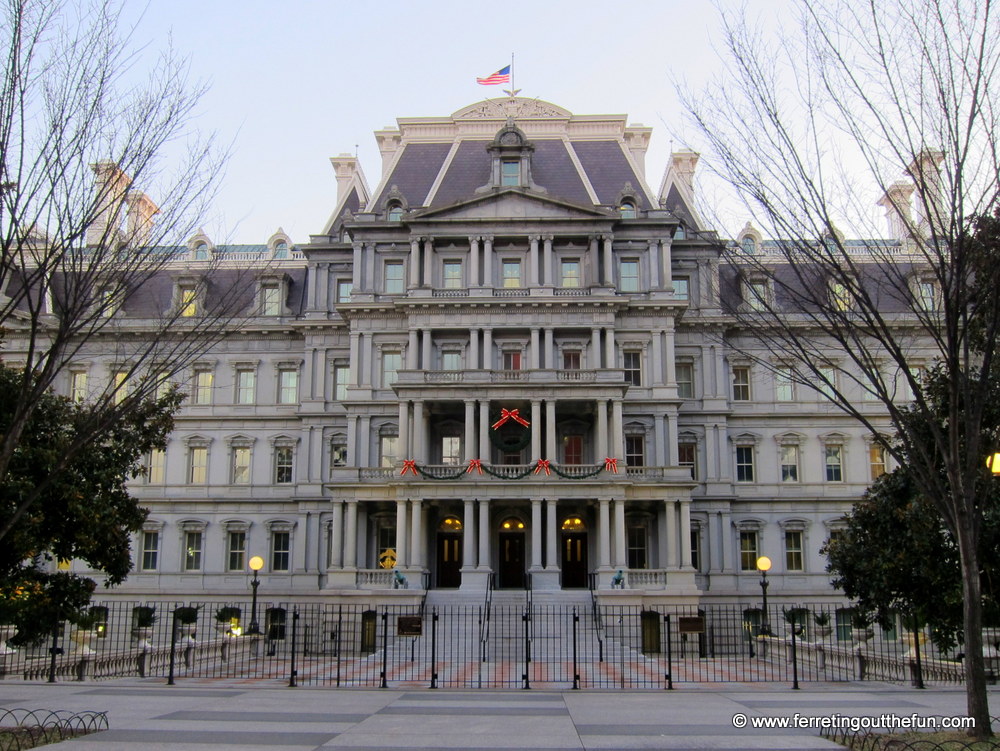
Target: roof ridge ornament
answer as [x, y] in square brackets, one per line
[516, 107]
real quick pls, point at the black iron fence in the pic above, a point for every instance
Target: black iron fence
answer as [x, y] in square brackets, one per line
[484, 646]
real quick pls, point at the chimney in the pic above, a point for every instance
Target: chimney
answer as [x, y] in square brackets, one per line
[926, 175]
[637, 138]
[110, 195]
[682, 164]
[141, 211]
[896, 203]
[345, 166]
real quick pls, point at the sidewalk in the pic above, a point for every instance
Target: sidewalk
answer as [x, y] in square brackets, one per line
[148, 715]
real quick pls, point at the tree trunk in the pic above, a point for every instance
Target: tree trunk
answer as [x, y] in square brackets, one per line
[975, 667]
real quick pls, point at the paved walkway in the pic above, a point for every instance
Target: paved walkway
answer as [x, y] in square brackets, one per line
[148, 715]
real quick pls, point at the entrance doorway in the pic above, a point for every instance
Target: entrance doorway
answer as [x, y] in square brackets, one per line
[449, 553]
[511, 571]
[573, 553]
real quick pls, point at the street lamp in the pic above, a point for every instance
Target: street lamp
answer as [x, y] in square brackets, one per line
[764, 565]
[256, 564]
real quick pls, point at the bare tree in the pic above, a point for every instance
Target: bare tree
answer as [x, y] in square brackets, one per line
[893, 103]
[88, 137]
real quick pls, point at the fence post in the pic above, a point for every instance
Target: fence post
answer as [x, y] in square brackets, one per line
[340, 625]
[173, 647]
[670, 655]
[795, 661]
[55, 651]
[576, 667]
[434, 633]
[295, 628]
[385, 648]
[527, 652]
[919, 677]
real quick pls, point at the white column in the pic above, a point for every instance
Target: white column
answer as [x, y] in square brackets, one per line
[604, 534]
[536, 534]
[685, 534]
[427, 356]
[672, 438]
[365, 360]
[428, 262]
[595, 263]
[549, 280]
[336, 535]
[550, 430]
[533, 261]
[487, 349]
[352, 441]
[654, 264]
[536, 433]
[354, 361]
[468, 534]
[620, 560]
[671, 356]
[670, 559]
[473, 363]
[351, 536]
[402, 531]
[414, 262]
[609, 274]
[404, 430]
[610, 360]
[412, 349]
[666, 277]
[487, 261]
[657, 358]
[369, 258]
[617, 428]
[551, 536]
[660, 436]
[536, 360]
[470, 431]
[602, 430]
[484, 534]
[595, 348]
[416, 535]
[727, 541]
[419, 450]
[473, 261]
[714, 543]
[356, 268]
[549, 360]
[364, 440]
[484, 427]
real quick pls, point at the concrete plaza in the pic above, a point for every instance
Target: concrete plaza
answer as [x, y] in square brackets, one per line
[231, 716]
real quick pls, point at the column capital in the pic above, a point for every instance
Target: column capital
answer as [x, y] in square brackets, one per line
[534, 238]
[473, 239]
[548, 238]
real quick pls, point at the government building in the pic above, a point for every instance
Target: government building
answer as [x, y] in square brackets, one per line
[510, 361]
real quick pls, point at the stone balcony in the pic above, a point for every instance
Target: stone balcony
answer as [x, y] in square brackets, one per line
[559, 472]
[548, 376]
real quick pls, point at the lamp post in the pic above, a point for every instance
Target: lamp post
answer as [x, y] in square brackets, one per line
[256, 564]
[764, 565]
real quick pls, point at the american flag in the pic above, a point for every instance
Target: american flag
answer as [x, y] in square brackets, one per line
[501, 76]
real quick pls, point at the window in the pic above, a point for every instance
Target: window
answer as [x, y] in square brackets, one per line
[387, 450]
[78, 385]
[744, 464]
[510, 172]
[687, 456]
[789, 462]
[741, 383]
[386, 544]
[572, 449]
[284, 464]
[391, 363]
[201, 252]
[569, 272]
[201, 392]
[679, 233]
[270, 299]
[187, 298]
[120, 386]
[696, 548]
[341, 373]
[281, 544]
[394, 278]
[453, 275]
[755, 295]
[288, 386]
[784, 386]
[246, 386]
[927, 296]
[281, 251]
[632, 363]
[240, 473]
[451, 360]
[834, 461]
[748, 549]
[681, 287]
[511, 360]
[628, 273]
[156, 465]
[395, 213]
[192, 550]
[635, 451]
[571, 360]
[163, 385]
[637, 544]
[627, 210]
[749, 244]
[827, 381]
[876, 461]
[685, 380]
[451, 450]
[793, 550]
[150, 550]
[338, 452]
[236, 549]
[344, 288]
[840, 297]
[512, 273]
[198, 465]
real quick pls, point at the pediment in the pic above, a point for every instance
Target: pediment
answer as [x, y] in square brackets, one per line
[512, 203]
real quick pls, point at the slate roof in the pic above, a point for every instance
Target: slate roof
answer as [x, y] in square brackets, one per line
[469, 169]
[552, 168]
[608, 170]
[415, 171]
[676, 204]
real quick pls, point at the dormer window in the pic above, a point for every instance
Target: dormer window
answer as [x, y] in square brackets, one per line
[510, 154]
[281, 251]
[749, 244]
[510, 172]
[627, 210]
[395, 212]
[201, 252]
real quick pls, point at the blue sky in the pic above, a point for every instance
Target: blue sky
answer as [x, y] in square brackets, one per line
[296, 82]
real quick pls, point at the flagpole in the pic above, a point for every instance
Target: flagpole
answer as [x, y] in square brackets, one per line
[512, 89]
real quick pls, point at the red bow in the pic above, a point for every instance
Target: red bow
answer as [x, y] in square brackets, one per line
[611, 465]
[543, 464]
[409, 465]
[510, 414]
[475, 464]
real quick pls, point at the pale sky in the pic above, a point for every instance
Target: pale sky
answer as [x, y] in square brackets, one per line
[296, 82]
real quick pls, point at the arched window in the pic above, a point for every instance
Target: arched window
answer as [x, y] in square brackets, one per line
[749, 244]
[201, 252]
[574, 524]
[281, 251]
[395, 212]
[627, 210]
[450, 524]
[512, 524]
